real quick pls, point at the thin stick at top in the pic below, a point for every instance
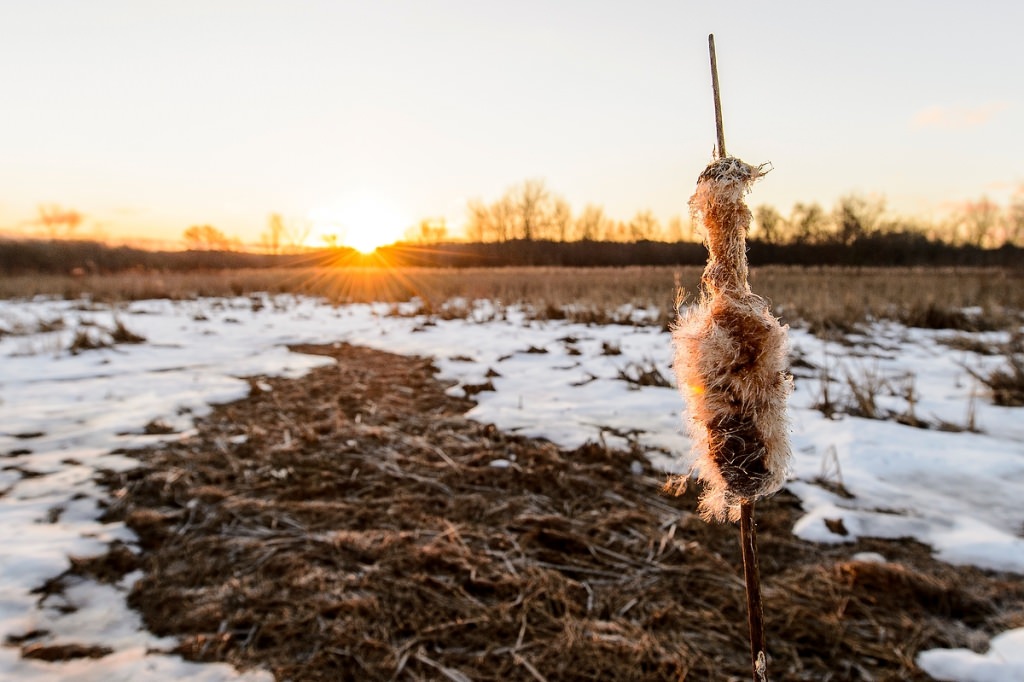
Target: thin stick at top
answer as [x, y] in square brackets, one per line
[719, 128]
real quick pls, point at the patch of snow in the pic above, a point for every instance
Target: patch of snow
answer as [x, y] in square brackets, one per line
[1004, 661]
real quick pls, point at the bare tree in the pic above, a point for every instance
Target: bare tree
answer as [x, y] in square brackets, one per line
[977, 222]
[489, 223]
[561, 218]
[808, 223]
[503, 218]
[529, 201]
[526, 211]
[769, 224]
[428, 231]
[857, 216]
[57, 221]
[644, 226]
[1015, 219]
[478, 225]
[281, 237]
[206, 238]
[273, 238]
[616, 231]
[674, 229]
[592, 223]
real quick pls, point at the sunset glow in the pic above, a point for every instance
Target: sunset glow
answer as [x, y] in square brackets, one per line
[145, 119]
[361, 221]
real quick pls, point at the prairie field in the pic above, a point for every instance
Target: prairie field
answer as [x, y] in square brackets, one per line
[824, 297]
[446, 342]
[373, 474]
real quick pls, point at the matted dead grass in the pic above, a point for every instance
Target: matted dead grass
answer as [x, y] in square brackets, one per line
[353, 525]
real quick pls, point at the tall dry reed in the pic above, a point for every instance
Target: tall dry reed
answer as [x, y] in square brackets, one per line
[730, 361]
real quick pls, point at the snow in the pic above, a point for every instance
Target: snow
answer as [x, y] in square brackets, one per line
[63, 415]
[1004, 661]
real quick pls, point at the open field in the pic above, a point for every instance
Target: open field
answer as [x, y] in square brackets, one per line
[825, 298]
[343, 515]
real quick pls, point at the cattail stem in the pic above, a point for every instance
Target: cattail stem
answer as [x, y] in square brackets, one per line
[752, 578]
[719, 127]
[748, 532]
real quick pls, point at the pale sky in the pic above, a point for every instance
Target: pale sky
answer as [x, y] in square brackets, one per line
[150, 116]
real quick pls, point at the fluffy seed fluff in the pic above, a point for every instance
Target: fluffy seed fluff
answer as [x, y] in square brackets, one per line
[730, 359]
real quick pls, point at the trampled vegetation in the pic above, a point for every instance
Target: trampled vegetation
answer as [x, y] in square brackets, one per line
[378, 534]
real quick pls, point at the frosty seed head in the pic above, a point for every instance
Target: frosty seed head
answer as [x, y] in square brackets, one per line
[730, 358]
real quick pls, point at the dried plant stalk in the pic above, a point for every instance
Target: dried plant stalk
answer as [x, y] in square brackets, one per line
[730, 358]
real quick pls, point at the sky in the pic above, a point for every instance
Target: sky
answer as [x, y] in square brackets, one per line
[151, 117]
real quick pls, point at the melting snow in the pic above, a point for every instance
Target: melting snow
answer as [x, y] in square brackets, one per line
[63, 414]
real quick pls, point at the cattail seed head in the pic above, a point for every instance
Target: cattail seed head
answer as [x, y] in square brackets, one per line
[730, 358]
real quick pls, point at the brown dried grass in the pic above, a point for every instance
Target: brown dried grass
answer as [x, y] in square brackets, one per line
[825, 298]
[360, 532]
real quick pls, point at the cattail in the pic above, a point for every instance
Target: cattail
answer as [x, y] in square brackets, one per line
[730, 358]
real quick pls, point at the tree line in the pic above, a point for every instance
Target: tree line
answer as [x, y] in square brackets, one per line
[979, 224]
[20, 257]
[530, 211]
[84, 257]
[531, 221]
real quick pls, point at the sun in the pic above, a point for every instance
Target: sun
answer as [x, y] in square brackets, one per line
[363, 222]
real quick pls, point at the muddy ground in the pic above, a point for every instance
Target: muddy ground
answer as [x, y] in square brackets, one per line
[354, 525]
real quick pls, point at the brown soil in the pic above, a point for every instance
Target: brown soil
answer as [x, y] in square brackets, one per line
[352, 525]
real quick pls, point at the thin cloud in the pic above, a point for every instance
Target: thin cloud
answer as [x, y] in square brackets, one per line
[957, 118]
